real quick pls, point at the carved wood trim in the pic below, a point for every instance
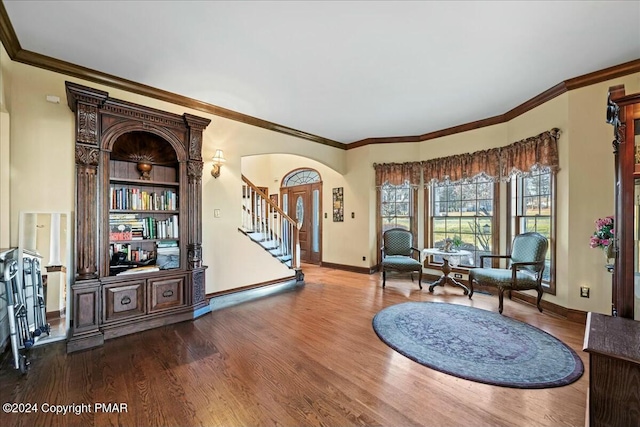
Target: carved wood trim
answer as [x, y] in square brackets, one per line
[87, 119]
[129, 110]
[87, 156]
[111, 132]
[198, 286]
[194, 255]
[194, 171]
[86, 234]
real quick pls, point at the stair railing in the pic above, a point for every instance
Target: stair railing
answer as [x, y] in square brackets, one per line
[261, 215]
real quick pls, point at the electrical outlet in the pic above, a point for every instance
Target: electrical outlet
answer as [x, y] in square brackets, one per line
[584, 291]
[457, 276]
[364, 258]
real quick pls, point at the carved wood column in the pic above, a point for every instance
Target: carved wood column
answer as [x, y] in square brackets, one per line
[196, 126]
[85, 104]
[86, 208]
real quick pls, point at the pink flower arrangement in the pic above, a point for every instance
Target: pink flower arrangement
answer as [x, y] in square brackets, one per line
[603, 236]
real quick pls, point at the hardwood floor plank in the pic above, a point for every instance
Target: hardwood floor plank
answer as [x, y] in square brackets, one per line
[308, 357]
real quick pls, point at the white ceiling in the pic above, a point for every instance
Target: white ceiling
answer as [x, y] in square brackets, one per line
[341, 70]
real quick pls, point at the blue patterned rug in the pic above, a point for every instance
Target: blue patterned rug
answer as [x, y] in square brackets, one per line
[477, 345]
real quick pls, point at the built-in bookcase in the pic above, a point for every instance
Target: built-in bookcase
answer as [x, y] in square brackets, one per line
[138, 218]
[144, 214]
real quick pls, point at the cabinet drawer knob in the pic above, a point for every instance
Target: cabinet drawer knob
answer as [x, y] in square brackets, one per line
[168, 293]
[125, 300]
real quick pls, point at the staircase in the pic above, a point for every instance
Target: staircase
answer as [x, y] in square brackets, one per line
[267, 225]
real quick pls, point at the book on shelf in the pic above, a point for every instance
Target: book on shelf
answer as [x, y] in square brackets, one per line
[139, 228]
[136, 199]
[119, 232]
[137, 270]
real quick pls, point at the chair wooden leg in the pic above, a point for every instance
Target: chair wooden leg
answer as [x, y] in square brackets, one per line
[500, 300]
[470, 286]
[420, 279]
[539, 298]
[384, 278]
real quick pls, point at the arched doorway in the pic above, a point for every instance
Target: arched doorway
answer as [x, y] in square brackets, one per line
[301, 195]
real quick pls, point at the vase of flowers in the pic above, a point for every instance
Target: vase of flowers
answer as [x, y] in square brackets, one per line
[604, 236]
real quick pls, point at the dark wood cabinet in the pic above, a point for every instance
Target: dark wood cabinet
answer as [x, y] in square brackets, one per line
[623, 112]
[613, 344]
[138, 251]
[166, 293]
[123, 300]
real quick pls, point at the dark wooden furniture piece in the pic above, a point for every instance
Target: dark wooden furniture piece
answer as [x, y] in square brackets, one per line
[613, 344]
[623, 112]
[138, 183]
[449, 259]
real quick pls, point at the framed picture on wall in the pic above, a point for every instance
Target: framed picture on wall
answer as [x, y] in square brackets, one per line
[338, 205]
[274, 198]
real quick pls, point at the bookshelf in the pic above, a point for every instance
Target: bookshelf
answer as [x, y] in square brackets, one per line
[138, 219]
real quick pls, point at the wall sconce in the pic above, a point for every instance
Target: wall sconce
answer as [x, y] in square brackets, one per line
[218, 161]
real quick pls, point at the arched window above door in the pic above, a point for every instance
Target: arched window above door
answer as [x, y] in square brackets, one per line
[301, 176]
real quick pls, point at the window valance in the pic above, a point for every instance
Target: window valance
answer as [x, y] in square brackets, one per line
[397, 173]
[500, 163]
[524, 156]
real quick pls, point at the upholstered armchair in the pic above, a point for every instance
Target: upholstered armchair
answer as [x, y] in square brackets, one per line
[397, 254]
[526, 265]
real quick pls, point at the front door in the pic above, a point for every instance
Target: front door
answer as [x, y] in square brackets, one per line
[303, 203]
[300, 211]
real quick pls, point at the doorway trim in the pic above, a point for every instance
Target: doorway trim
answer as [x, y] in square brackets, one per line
[310, 181]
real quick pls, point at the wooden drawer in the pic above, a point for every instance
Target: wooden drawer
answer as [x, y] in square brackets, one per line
[166, 293]
[123, 300]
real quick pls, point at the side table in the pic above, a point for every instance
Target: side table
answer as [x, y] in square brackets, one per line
[450, 259]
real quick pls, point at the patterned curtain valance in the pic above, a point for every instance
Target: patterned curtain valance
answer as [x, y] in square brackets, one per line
[463, 167]
[397, 173]
[524, 156]
[495, 164]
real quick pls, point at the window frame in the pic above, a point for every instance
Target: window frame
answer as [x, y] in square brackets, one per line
[428, 226]
[413, 209]
[513, 220]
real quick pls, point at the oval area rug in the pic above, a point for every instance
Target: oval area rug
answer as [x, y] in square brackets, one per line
[477, 345]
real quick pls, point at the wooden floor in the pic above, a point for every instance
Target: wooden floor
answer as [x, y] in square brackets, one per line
[307, 357]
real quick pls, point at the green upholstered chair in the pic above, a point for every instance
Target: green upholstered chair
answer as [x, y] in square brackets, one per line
[526, 265]
[397, 254]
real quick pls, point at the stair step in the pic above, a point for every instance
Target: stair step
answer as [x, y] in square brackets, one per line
[270, 244]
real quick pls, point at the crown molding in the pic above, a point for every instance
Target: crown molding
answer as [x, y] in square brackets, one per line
[557, 90]
[7, 34]
[16, 53]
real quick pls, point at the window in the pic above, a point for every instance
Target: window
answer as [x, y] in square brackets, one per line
[301, 176]
[463, 210]
[397, 207]
[531, 208]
